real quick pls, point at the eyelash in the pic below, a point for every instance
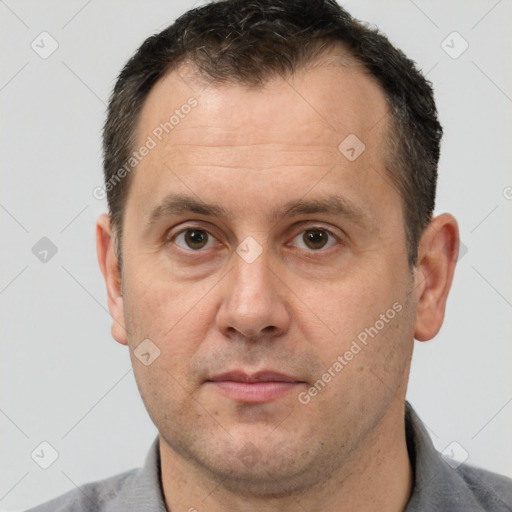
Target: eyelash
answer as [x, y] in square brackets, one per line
[172, 238]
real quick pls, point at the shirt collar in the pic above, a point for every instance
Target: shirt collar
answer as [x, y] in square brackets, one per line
[144, 490]
[437, 486]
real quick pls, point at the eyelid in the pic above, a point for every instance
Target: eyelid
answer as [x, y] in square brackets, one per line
[338, 238]
[303, 226]
[198, 227]
[306, 225]
[168, 237]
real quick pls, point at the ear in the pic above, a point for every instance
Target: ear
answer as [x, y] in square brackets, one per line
[109, 264]
[437, 257]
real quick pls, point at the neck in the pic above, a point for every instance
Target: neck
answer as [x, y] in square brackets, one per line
[376, 476]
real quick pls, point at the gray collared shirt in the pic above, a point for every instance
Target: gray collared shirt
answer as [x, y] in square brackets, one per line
[437, 485]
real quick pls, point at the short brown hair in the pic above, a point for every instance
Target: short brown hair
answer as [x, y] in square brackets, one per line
[249, 41]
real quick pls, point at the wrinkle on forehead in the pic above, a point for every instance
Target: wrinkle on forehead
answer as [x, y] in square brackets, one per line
[262, 156]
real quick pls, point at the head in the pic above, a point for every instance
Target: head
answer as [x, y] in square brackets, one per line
[274, 213]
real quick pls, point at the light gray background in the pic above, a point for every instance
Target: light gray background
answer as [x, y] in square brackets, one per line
[64, 380]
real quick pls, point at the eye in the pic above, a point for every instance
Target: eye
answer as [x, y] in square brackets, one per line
[316, 238]
[312, 239]
[194, 239]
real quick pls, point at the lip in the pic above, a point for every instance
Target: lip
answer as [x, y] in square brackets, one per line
[263, 386]
[250, 378]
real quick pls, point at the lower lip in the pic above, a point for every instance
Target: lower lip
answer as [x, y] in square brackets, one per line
[255, 391]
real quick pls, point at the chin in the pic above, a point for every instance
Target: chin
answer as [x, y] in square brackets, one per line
[264, 469]
[265, 481]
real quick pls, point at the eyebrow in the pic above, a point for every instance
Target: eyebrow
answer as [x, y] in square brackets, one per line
[178, 204]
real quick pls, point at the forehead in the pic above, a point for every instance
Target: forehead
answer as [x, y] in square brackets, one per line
[328, 99]
[288, 127]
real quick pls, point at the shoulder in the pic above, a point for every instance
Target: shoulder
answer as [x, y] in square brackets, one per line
[491, 490]
[133, 490]
[441, 483]
[93, 496]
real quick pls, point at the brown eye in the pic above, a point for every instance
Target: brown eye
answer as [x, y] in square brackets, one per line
[315, 238]
[193, 239]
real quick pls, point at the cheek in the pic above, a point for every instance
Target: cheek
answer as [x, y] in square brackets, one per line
[366, 367]
[176, 317]
[157, 305]
[364, 319]
[164, 392]
[175, 321]
[334, 313]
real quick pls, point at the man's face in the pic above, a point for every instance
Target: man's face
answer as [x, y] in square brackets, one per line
[258, 287]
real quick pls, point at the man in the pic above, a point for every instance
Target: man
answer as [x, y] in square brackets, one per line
[270, 256]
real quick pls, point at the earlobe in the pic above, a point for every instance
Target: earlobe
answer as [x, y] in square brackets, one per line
[109, 265]
[437, 257]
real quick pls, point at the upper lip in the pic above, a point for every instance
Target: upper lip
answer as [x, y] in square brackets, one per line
[261, 376]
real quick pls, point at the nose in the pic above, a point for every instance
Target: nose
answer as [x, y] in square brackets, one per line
[253, 301]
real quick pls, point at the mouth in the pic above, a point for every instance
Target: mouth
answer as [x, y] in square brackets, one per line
[263, 386]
